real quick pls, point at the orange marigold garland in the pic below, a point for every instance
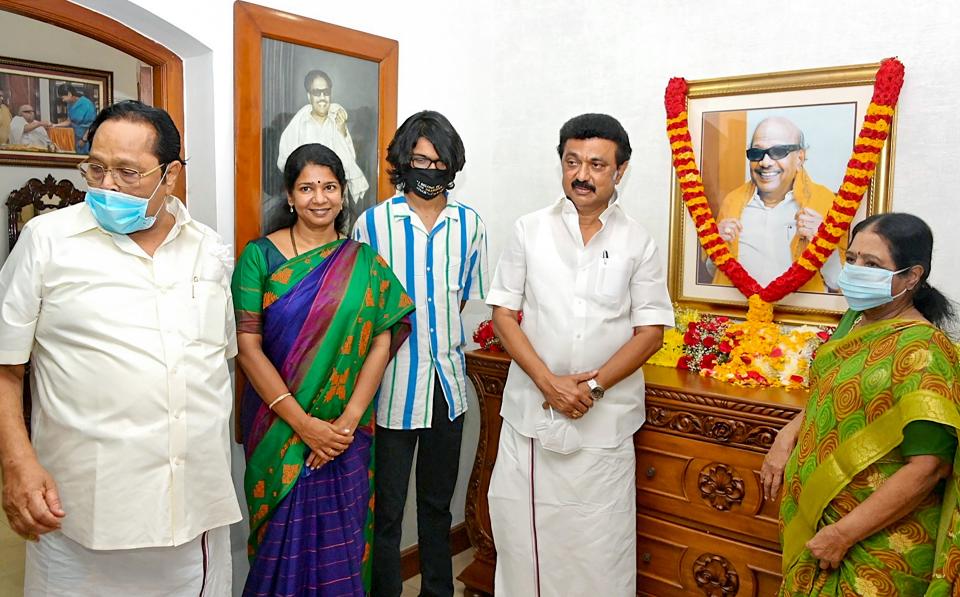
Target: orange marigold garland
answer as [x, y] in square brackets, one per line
[856, 180]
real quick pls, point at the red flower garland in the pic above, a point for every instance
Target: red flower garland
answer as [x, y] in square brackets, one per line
[860, 170]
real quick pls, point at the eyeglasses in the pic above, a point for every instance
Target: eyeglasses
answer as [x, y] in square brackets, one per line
[423, 162]
[319, 92]
[129, 177]
[777, 152]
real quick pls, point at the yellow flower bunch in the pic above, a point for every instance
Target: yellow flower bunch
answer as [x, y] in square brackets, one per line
[672, 349]
[764, 354]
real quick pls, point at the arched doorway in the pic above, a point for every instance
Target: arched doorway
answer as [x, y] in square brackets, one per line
[167, 66]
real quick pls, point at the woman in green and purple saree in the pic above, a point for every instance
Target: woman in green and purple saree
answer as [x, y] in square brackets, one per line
[318, 318]
[869, 471]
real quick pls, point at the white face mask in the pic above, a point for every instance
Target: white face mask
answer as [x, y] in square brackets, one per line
[558, 434]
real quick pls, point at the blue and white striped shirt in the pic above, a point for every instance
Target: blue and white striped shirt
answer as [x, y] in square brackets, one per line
[438, 268]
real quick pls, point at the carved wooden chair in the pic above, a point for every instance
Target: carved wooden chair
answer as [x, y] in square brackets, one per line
[32, 199]
[37, 197]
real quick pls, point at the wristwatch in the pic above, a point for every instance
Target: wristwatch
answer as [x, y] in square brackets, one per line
[596, 390]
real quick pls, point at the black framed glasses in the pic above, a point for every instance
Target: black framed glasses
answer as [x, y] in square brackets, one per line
[95, 173]
[319, 92]
[423, 162]
[777, 152]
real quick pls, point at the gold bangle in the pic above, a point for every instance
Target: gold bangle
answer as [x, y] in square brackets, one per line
[278, 399]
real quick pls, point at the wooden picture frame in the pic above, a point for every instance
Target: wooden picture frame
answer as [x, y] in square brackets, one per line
[35, 84]
[828, 106]
[318, 44]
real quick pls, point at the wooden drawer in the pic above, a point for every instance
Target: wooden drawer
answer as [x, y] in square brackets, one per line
[713, 487]
[676, 561]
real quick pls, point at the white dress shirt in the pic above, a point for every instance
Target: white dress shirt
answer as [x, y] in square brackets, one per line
[438, 268]
[766, 237]
[130, 386]
[580, 305]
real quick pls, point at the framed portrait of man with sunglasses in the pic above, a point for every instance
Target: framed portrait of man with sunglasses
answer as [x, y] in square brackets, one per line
[302, 81]
[772, 150]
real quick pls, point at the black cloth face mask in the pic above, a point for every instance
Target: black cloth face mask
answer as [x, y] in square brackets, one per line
[426, 182]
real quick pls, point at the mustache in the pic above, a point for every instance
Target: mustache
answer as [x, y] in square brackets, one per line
[582, 184]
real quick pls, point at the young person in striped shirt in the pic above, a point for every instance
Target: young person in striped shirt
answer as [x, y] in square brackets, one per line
[437, 248]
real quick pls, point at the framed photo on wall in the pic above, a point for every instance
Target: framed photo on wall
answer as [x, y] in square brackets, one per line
[772, 150]
[300, 81]
[46, 109]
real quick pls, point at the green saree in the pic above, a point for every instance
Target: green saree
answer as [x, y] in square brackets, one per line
[867, 386]
[317, 315]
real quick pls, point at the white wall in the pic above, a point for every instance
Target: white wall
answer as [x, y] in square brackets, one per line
[31, 39]
[508, 73]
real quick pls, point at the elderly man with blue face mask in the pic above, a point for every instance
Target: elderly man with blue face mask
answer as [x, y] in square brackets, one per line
[122, 304]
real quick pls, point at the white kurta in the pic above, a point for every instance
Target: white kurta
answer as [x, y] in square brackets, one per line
[580, 305]
[303, 129]
[35, 138]
[131, 388]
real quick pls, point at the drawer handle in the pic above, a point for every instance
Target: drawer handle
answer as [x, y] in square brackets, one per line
[651, 472]
[646, 557]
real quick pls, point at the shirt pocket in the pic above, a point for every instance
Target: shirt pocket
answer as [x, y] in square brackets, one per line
[613, 278]
[208, 320]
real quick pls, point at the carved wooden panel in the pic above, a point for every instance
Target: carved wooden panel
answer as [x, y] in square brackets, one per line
[488, 374]
[715, 576]
[715, 487]
[676, 561]
[721, 429]
[721, 486]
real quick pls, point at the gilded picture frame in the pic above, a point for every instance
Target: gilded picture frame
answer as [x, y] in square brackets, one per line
[826, 106]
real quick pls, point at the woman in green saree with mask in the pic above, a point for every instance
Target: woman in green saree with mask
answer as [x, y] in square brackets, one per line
[870, 500]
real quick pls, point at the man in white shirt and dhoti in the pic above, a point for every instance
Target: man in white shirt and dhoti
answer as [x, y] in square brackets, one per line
[322, 121]
[590, 283]
[122, 305]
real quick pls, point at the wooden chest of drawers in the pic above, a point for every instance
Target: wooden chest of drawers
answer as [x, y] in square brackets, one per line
[702, 525]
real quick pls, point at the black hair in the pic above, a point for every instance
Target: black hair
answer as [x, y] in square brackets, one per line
[434, 127]
[303, 156]
[166, 147]
[310, 76]
[910, 242]
[65, 88]
[597, 126]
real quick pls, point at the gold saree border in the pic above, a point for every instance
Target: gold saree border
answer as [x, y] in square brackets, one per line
[859, 451]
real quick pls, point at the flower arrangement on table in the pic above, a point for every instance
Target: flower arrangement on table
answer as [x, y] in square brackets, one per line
[486, 338]
[756, 352]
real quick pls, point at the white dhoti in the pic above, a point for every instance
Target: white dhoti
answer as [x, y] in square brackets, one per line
[563, 525]
[58, 566]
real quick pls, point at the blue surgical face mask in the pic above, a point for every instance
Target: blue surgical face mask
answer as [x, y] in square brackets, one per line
[867, 287]
[119, 212]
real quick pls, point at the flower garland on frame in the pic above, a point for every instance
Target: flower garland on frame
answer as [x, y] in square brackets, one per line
[860, 170]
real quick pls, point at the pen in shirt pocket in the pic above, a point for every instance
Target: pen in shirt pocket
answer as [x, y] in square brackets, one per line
[605, 255]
